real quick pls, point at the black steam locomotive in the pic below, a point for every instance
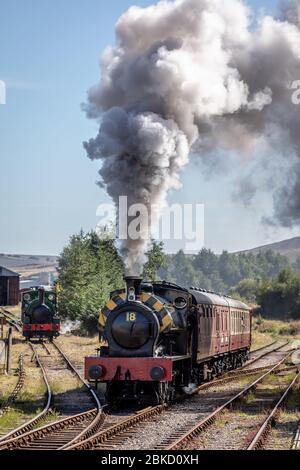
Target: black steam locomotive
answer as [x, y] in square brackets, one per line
[39, 313]
[163, 339]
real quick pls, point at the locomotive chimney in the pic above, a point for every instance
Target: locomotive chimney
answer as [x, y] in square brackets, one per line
[41, 292]
[133, 287]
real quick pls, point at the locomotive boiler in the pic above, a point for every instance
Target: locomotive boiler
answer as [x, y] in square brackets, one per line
[39, 313]
[160, 339]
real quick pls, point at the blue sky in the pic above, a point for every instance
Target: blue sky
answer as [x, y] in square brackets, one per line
[49, 57]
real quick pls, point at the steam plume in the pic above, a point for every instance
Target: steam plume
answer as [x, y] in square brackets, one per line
[193, 75]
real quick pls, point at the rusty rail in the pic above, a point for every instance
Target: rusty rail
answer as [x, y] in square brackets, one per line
[179, 442]
[252, 361]
[26, 434]
[12, 320]
[296, 441]
[264, 430]
[34, 421]
[98, 440]
[21, 379]
[118, 428]
[99, 417]
[263, 347]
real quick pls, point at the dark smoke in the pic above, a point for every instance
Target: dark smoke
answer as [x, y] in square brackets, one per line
[194, 75]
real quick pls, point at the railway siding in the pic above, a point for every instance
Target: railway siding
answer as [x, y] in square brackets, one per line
[61, 432]
[158, 426]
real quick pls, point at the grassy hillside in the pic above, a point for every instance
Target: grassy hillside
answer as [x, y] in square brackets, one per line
[289, 248]
[29, 265]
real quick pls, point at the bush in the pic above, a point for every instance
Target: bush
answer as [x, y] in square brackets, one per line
[89, 269]
[280, 297]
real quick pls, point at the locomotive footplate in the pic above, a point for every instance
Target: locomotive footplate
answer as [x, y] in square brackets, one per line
[149, 369]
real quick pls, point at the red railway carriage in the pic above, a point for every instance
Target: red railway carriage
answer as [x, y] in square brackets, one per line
[223, 331]
[163, 339]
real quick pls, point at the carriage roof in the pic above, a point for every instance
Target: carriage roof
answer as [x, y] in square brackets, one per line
[211, 298]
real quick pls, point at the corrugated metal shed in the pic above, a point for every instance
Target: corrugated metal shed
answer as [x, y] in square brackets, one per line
[9, 287]
[7, 272]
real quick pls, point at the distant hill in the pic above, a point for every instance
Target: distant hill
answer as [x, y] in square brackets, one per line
[29, 265]
[289, 248]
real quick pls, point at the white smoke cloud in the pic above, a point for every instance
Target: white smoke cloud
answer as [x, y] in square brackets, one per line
[192, 75]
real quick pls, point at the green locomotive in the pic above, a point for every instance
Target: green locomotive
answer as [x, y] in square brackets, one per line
[39, 313]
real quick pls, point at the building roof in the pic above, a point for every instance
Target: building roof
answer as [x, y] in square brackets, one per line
[7, 272]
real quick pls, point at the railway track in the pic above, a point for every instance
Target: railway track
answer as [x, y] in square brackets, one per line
[261, 435]
[122, 434]
[181, 439]
[247, 369]
[24, 428]
[296, 440]
[21, 379]
[60, 433]
[261, 348]
[269, 349]
[12, 320]
[81, 430]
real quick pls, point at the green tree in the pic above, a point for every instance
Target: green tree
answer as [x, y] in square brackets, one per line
[245, 290]
[156, 260]
[206, 261]
[89, 268]
[296, 264]
[280, 297]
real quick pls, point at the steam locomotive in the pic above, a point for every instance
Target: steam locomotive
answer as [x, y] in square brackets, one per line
[162, 340]
[39, 313]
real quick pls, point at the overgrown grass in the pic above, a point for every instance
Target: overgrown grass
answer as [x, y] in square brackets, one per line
[293, 400]
[276, 328]
[267, 331]
[7, 384]
[57, 386]
[9, 419]
[250, 397]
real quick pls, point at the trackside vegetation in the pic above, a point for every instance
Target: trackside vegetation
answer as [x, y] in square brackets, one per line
[90, 267]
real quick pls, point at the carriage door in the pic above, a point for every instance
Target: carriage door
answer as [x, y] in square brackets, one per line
[221, 328]
[218, 329]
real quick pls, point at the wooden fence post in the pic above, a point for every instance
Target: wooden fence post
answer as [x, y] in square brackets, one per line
[2, 327]
[2, 357]
[8, 351]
